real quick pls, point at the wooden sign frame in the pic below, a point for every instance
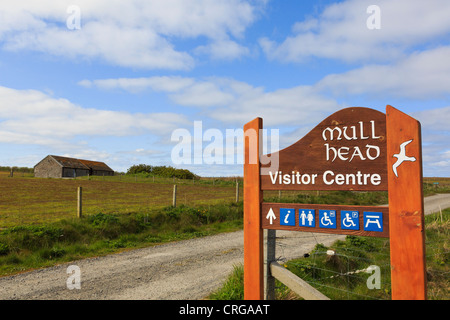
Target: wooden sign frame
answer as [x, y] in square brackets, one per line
[365, 150]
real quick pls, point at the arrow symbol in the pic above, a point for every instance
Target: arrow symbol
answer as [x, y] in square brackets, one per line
[270, 216]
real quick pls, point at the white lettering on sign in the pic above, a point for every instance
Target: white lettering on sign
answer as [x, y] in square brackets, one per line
[351, 178]
[370, 152]
[328, 178]
[294, 178]
[345, 146]
[343, 153]
[343, 132]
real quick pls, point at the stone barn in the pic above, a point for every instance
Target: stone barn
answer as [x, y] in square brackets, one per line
[64, 167]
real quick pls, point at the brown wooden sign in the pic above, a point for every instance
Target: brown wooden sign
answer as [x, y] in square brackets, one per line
[356, 149]
[346, 151]
[366, 221]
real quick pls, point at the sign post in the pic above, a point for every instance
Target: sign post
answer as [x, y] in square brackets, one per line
[357, 149]
[406, 218]
[253, 232]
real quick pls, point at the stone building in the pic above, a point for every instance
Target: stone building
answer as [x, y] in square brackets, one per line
[64, 167]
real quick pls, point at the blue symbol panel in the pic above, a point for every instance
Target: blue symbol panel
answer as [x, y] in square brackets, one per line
[373, 221]
[349, 220]
[307, 218]
[287, 217]
[327, 219]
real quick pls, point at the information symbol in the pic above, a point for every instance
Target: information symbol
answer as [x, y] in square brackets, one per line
[287, 217]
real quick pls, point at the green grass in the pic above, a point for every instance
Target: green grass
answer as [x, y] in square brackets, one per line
[233, 288]
[33, 201]
[36, 246]
[334, 275]
[329, 197]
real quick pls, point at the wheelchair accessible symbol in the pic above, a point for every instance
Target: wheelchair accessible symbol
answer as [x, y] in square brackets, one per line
[349, 220]
[327, 219]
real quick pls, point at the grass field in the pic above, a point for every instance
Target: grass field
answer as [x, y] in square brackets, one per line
[25, 200]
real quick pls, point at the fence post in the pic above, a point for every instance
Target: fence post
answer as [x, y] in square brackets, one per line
[80, 206]
[237, 191]
[174, 200]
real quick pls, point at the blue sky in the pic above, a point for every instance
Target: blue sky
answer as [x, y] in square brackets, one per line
[112, 80]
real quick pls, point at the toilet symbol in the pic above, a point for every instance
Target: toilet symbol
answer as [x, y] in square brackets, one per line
[307, 218]
[327, 219]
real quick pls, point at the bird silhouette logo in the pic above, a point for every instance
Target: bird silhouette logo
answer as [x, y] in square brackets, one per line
[402, 157]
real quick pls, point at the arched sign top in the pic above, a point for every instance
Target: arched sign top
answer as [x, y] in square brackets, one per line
[346, 151]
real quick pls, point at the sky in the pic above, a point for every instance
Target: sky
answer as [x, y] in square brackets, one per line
[117, 81]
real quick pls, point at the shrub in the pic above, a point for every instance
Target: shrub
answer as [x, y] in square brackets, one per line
[4, 249]
[101, 219]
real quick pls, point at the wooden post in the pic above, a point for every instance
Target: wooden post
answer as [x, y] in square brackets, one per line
[174, 199]
[253, 233]
[270, 257]
[406, 211]
[80, 205]
[237, 191]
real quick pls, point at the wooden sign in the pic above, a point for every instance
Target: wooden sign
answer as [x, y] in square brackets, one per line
[346, 151]
[356, 149]
[406, 216]
[368, 221]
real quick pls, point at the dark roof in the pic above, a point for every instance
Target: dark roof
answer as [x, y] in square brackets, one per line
[70, 162]
[81, 164]
[96, 165]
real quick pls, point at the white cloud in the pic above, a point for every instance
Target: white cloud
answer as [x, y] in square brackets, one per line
[340, 31]
[135, 33]
[33, 117]
[294, 106]
[231, 101]
[435, 141]
[435, 120]
[223, 50]
[421, 75]
[134, 85]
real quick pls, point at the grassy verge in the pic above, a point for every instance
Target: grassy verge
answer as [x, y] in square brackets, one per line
[342, 275]
[35, 246]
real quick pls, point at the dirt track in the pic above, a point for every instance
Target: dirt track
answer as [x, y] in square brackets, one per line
[187, 270]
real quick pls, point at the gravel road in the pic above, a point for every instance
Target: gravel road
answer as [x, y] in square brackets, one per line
[184, 270]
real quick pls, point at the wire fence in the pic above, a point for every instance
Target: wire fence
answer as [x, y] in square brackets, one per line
[349, 267]
[28, 200]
